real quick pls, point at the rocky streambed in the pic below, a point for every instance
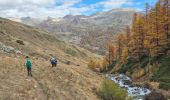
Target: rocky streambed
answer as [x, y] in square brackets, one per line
[138, 93]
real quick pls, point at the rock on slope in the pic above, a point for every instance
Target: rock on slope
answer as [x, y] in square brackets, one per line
[70, 80]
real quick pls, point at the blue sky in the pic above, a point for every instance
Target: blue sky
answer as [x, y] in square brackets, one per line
[105, 5]
[133, 4]
[60, 8]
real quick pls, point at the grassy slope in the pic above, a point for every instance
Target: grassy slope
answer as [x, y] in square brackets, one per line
[163, 73]
[66, 82]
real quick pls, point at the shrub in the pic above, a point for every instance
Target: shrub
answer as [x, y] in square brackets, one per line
[165, 86]
[130, 63]
[144, 62]
[20, 42]
[71, 52]
[163, 73]
[111, 91]
[68, 62]
[140, 73]
[92, 64]
[109, 67]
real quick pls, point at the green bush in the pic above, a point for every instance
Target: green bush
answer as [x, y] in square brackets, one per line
[110, 67]
[111, 91]
[165, 86]
[130, 63]
[153, 60]
[144, 62]
[163, 73]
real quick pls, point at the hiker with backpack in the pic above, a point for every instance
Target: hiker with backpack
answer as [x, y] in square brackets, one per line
[28, 65]
[53, 61]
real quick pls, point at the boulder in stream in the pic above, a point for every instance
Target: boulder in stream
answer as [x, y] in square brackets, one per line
[127, 82]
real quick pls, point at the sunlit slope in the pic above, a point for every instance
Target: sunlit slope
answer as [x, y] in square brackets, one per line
[71, 79]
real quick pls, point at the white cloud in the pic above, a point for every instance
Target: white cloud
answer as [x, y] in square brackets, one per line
[110, 4]
[69, 3]
[52, 8]
[39, 8]
[17, 3]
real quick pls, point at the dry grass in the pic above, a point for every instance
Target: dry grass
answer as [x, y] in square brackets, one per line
[66, 82]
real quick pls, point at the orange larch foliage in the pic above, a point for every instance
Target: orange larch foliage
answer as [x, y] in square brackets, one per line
[149, 35]
[111, 54]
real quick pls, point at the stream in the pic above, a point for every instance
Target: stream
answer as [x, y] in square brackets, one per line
[138, 93]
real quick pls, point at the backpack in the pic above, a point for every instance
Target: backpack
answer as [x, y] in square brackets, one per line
[28, 63]
[53, 60]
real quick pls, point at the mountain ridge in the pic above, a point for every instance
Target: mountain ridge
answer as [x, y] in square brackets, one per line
[77, 29]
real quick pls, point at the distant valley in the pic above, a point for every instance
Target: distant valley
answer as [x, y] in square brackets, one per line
[90, 32]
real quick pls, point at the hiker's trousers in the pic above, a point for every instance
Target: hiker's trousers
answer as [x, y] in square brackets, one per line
[29, 71]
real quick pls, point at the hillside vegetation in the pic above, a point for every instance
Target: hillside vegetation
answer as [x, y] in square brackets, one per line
[70, 80]
[144, 51]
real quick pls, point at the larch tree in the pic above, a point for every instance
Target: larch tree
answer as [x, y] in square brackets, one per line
[105, 63]
[147, 28]
[111, 52]
[138, 36]
[120, 44]
[128, 37]
[158, 39]
[166, 18]
[124, 55]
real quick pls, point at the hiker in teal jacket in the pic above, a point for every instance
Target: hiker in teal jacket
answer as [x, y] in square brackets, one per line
[28, 64]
